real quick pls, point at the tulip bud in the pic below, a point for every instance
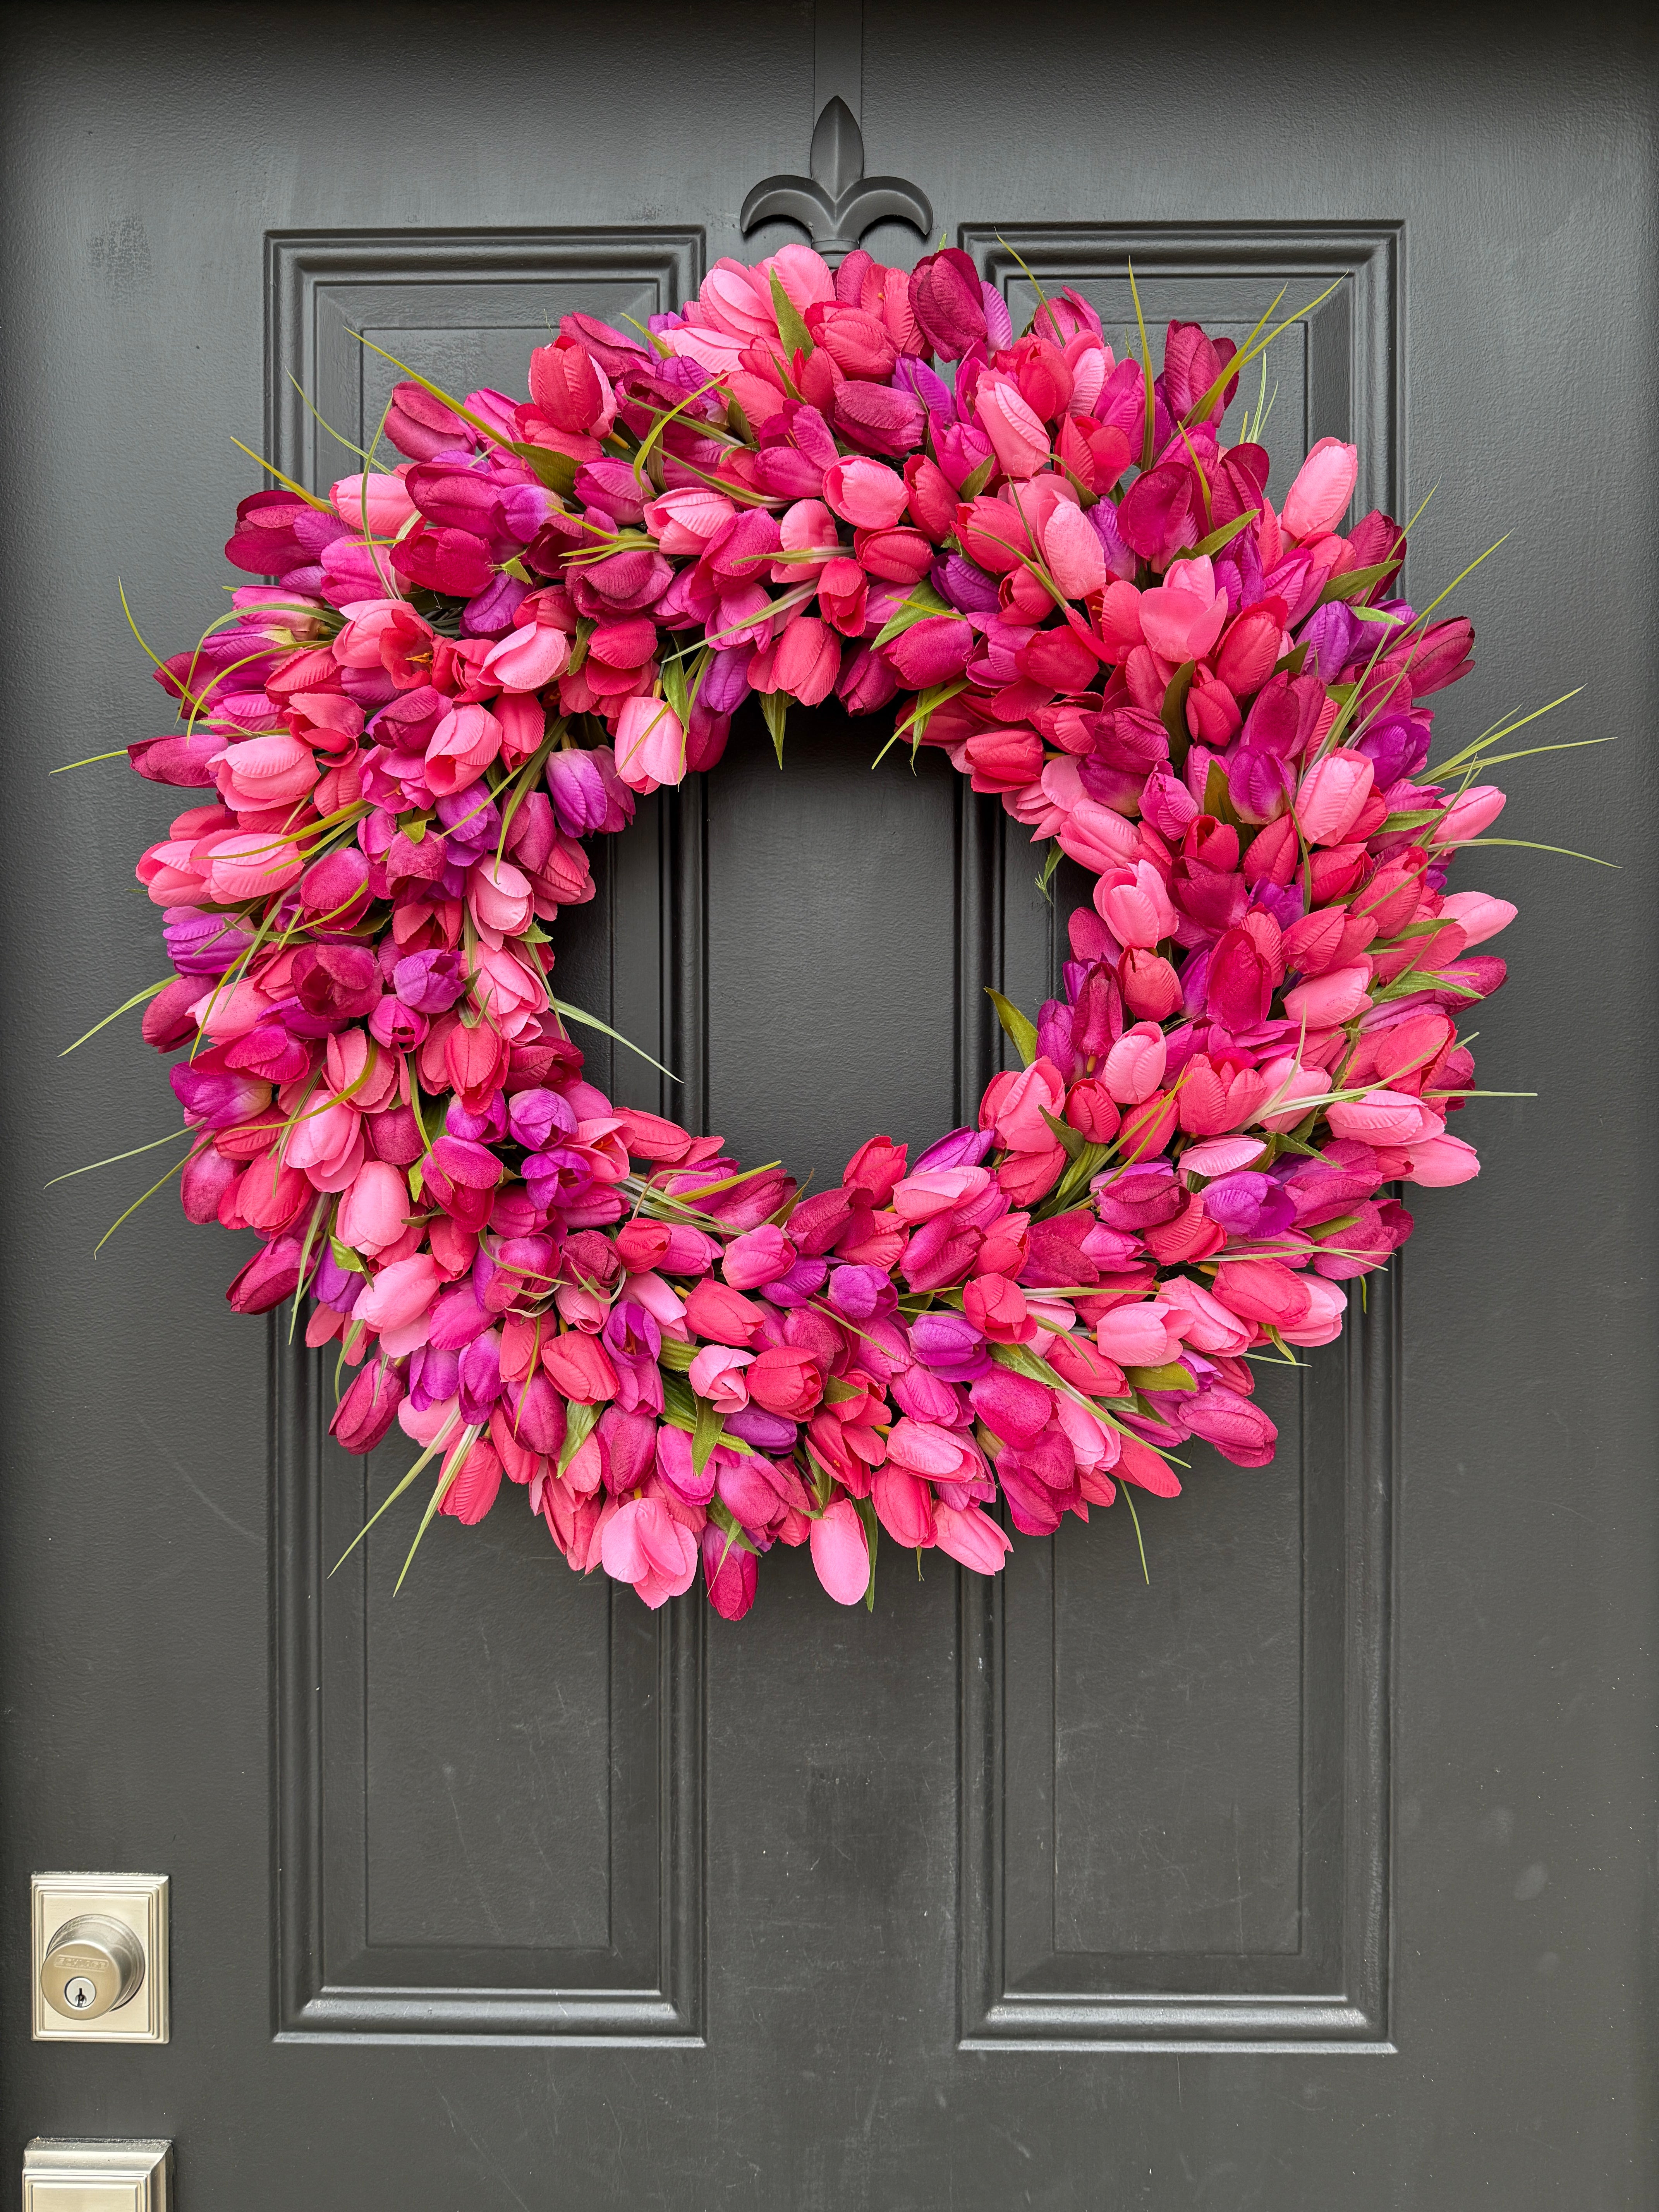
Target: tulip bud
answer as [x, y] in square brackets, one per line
[369, 1407]
[1151, 987]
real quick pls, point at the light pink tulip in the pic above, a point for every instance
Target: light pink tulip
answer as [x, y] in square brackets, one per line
[1073, 553]
[1332, 796]
[1181, 618]
[374, 1211]
[525, 660]
[1478, 915]
[971, 1537]
[1289, 1082]
[463, 745]
[1095, 835]
[428, 1425]
[1324, 484]
[716, 1374]
[1207, 1326]
[246, 864]
[398, 1303]
[645, 1544]
[806, 661]
[1147, 1333]
[937, 1190]
[326, 1142]
[1324, 1002]
[1017, 435]
[1135, 1066]
[1134, 905]
[382, 502]
[683, 522]
[499, 899]
[261, 772]
[1442, 1161]
[1466, 817]
[1384, 1117]
[1217, 1156]
[841, 1555]
[650, 744]
[1327, 1308]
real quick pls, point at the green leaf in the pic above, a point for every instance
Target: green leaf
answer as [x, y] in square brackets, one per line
[790, 328]
[1075, 1142]
[1051, 861]
[447, 1475]
[866, 1507]
[1294, 662]
[676, 1356]
[710, 1424]
[1217, 798]
[775, 706]
[976, 479]
[1021, 1030]
[1174, 713]
[1218, 538]
[346, 1258]
[557, 471]
[836, 1393]
[1173, 1376]
[579, 1422]
[1075, 1181]
[592, 1022]
[922, 601]
[1354, 583]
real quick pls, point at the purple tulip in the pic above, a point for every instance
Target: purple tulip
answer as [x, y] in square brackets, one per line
[1247, 1205]
[768, 1432]
[858, 1292]
[533, 1116]
[429, 982]
[578, 792]
[335, 1286]
[203, 944]
[212, 1100]
[962, 1148]
[481, 1375]
[964, 584]
[951, 1344]
[471, 823]
[434, 1376]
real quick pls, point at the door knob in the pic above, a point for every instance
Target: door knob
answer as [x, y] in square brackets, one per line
[98, 1952]
[92, 1963]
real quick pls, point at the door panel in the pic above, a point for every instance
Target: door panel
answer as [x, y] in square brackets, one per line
[1315, 1870]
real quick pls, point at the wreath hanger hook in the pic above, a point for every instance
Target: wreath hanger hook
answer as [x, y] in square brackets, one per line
[837, 204]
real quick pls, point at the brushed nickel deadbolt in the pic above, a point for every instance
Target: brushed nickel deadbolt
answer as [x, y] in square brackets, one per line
[93, 1965]
[99, 1944]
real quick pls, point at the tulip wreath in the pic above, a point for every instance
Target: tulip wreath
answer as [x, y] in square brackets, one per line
[472, 661]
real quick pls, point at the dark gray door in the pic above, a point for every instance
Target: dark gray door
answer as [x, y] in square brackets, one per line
[1318, 1874]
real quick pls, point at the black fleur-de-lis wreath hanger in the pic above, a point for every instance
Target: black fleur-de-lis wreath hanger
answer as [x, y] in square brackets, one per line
[837, 204]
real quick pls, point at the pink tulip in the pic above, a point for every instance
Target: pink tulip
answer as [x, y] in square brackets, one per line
[526, 659]
[1476, 810]
[650, 744]
[1181, 618]
[1219, 1156]
[377, 504]
[1332, 796]
[1207, 1325]
[1147, 1333]
[971, 1537]
[1383, 1117]
[1015, 1407]
[645, 1544]
[1264, 1291]
[684, 522]
[1017, 434]
[399, 1301]
[1134, 905]
[1327, 1308]
[937, 1190]
[867, 494]
[1441, 1161]
[931, 651]
[1326, 1002]
[499, 899]
[925, 1448]
[374, 1211]
[1073, 552]
[1237, 1428]
[1290, 1081]
[804, 662]
[840, 1555]
[1135, 1066]
[759, 1255]
[463, 745]
[716, 1374]
[1324, 484]
[262, 772]
[1096, 836]
[904, 1506]
[246, 864]
[1478, 916]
